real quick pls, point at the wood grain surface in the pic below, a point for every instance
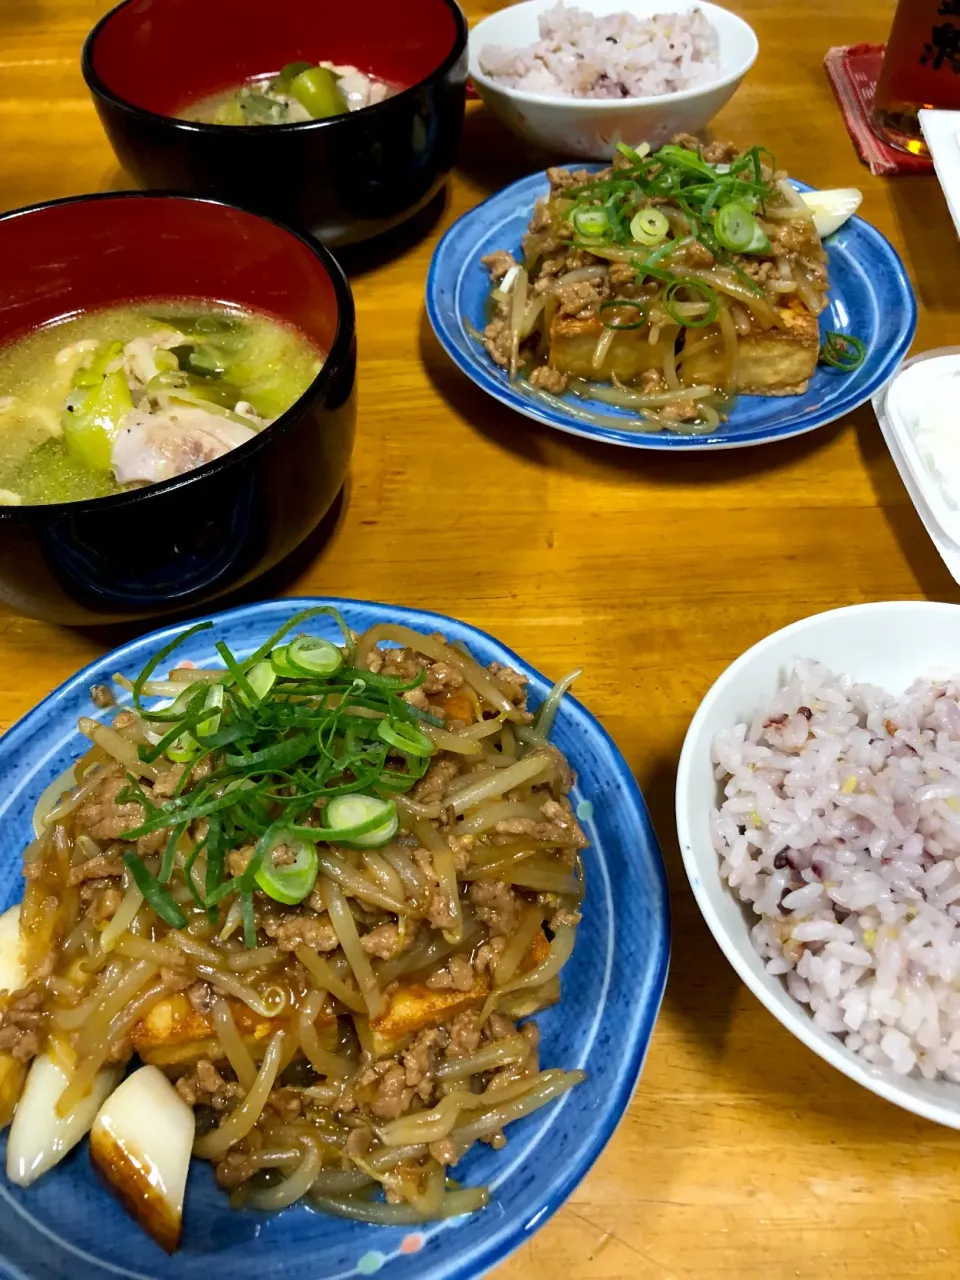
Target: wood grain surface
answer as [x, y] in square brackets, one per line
[742, 1155]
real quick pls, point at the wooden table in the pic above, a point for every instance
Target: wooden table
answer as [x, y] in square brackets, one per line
[743, 1155]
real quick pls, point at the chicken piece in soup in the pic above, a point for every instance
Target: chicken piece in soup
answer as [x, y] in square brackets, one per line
[128, 396]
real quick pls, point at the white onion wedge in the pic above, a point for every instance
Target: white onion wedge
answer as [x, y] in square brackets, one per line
[832, 208]
[141, 1143]
[13, 970]
[39, 1138]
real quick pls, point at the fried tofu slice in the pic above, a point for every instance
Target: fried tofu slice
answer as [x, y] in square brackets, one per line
[773, 362]
[413, 1006]
[631, 353]
[174, 1033]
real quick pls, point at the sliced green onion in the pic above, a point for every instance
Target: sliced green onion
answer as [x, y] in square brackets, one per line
[154, 893]
[697, 286]
[348, 814]
[261, 680]
[281, 664]
[842, 351]
[633, 156]
[591, 222]
[212, 702]
[760, 242]
[405, 737]
[291, 882]
[649, 227]
[636, 310]
[735, 227]
[314, 656]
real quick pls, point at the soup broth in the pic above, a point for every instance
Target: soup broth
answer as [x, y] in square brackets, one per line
[300, 92]
[116, 399]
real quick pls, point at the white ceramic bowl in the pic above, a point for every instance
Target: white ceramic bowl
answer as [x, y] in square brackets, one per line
[590, 128]
[887, 644]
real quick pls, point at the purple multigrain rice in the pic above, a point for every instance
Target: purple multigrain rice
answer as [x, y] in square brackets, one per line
[840, 828]
[617, 56]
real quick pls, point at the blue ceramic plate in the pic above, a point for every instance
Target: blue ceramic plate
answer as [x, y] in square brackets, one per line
[68, 1225]
[870, 296]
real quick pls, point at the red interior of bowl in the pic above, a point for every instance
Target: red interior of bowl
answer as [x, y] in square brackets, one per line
[88, 254]
[164, 54]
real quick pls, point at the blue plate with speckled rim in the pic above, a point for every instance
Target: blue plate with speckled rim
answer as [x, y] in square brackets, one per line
[870, 296]
[67, 1224]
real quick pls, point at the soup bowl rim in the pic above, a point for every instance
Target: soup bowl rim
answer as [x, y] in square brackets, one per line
[311, 398]
[101, 89]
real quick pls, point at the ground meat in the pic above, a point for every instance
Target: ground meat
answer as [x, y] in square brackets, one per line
[123, 720]
[621, 274]
[102, 695]
[583, 298]
[102, 817]
[201, 996]
[563, 179]
[440, 677]
[22, 1024]
[464, 1033]
[496, 905]
[679, 411]
[95, 868]
[384, 941]
[759, 271]
[498, 263]
[237, 859]
[287, 1103]
[101, 898]
[416, 698]
[419, 1061]
[498, 342]
[551, 380]
[236, 1167]
[512, 683]
[559, 826]
[205, 1086]
[166, 784]
[299, 928]
[433, 785]
[541, 217]
[461, 847]
[456, 975]
[712, 152]
[487, 955]
[652, 381]
[698, 255]
[393, 1095]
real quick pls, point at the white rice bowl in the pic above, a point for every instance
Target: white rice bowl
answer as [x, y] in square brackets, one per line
[611, 56]
[818, 810]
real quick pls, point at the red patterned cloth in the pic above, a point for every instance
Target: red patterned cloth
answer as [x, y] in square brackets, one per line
[853, 71]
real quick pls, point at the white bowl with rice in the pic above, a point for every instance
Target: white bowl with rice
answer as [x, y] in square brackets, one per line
[819, 824]
[576, 81]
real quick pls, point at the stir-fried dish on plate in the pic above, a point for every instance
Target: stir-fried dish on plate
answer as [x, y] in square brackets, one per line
[115, 399]
[316, 892]
[667, 284]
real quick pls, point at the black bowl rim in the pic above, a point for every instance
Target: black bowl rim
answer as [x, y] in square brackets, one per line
[313, 396]
[100, 89]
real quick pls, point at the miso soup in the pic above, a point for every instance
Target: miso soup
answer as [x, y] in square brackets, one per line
[299, 93]
[129, 396]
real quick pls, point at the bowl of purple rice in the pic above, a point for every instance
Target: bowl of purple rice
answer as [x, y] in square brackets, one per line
[576, 81]
[818, 812]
